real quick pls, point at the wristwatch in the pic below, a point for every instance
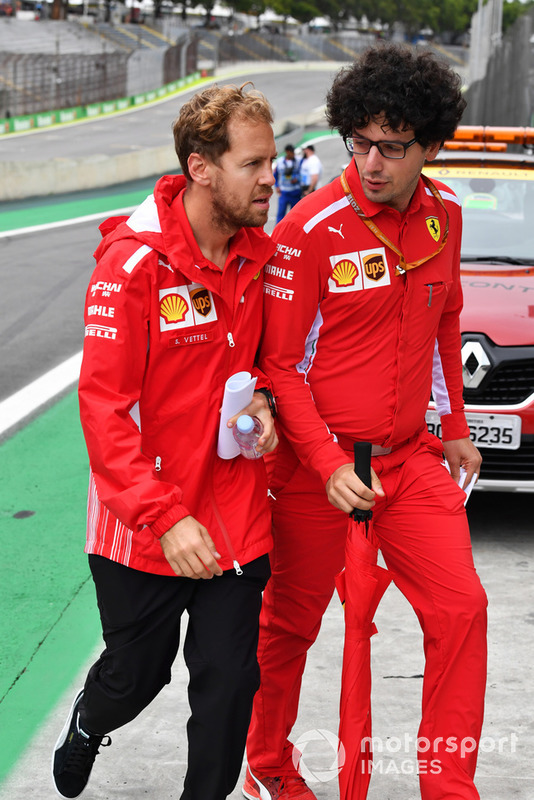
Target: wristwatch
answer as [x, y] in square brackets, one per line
[270, 400]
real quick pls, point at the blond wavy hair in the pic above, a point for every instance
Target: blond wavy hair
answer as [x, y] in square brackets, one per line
[202, 125]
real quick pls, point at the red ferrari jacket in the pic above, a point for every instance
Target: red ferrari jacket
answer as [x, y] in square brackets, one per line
[164, 329]
[350, 347]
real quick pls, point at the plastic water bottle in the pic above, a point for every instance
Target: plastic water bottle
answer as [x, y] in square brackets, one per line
[247, 431]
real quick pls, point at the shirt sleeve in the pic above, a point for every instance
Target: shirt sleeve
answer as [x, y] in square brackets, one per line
[447, 372]
[111, 379]
[293, 290]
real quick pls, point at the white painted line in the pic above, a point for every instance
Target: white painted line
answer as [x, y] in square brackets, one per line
[63, 222]
[24, 402]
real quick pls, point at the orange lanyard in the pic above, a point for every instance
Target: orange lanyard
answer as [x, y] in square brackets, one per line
[403, 264]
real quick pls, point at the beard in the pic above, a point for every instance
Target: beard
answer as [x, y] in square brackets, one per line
[229, 212]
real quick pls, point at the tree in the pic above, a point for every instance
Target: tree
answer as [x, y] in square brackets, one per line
[304, 11]
[512, 9]
[441, 16]
[447, 15]
[453, 16]
[254, 7]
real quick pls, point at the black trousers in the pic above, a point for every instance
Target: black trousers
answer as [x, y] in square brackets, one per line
[141, 615]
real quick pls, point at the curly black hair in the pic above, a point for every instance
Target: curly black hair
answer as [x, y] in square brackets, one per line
[410, 89]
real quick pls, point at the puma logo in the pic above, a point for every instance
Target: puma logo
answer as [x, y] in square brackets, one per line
[163, 263]
[336, 230]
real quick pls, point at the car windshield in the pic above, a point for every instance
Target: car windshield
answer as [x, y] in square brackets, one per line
[498, 213]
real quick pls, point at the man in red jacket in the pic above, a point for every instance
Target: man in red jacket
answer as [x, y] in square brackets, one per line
[362, 304]
[174, 308]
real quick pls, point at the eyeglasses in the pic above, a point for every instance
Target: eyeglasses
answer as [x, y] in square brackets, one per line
[361, 146]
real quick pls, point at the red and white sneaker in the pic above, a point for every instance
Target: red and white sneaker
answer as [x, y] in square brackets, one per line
[286, 787]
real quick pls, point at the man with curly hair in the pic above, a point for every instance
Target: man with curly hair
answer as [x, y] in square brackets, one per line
[362, 308]
[174, 308]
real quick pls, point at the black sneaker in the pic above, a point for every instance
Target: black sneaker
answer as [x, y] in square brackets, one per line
[74, 755]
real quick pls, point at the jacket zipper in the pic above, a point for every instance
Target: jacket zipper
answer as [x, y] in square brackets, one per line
[224, 530]
[235, 563]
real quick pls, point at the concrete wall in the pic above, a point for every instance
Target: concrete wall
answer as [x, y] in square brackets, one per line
[505, 95]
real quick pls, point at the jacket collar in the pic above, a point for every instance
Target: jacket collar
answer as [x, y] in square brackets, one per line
[161, 223]
[416, 239]
[250, 246]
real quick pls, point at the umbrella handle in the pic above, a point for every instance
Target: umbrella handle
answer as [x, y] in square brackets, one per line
[362, 468]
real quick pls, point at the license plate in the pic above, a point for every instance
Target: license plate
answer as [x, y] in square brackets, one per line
[500, 431]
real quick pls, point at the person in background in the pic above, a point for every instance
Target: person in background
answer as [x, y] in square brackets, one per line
[173, 309]
[361, 325]
[287, 181]
[311, 170]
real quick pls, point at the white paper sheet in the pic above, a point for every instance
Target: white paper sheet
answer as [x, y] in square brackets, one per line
[238, 392]
[467, 489]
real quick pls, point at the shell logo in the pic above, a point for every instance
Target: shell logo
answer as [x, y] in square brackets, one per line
[173, 308]
[345, 272]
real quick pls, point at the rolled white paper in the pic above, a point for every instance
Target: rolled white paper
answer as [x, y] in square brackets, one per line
[238, 391]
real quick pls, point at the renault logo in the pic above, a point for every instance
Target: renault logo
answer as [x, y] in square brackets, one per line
[475, 364]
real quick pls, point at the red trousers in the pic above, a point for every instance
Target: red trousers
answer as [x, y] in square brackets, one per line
[423, 534]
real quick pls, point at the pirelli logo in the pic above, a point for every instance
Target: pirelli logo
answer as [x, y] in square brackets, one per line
[280, 292]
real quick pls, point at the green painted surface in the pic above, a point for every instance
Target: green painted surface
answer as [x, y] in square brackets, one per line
[41, 211]
[48, 618]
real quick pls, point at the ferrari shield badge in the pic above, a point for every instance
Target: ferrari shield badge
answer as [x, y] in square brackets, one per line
[434, 229]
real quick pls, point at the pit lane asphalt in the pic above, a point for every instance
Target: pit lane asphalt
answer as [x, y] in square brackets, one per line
[147, 757]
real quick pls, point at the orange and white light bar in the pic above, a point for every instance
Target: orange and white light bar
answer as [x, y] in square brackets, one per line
[485, 137]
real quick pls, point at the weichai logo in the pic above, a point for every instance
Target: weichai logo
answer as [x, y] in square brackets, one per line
[345, 272]
[201, 300]
[374, 266]
[173, 308]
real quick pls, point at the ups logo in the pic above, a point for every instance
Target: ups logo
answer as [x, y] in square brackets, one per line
[374, 266]
[201, 300]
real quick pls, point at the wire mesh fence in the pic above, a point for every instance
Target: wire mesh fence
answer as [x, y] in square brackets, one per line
[37, 82]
